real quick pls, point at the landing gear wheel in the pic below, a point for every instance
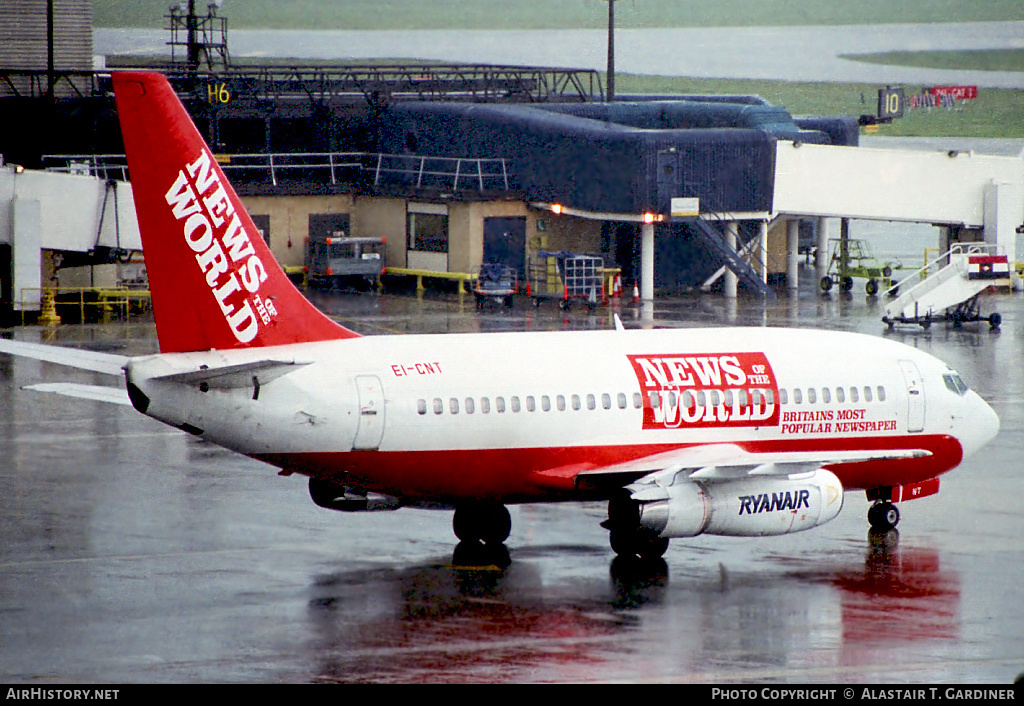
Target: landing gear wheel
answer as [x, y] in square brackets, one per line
[489, 523]
[638, 544]
[325, 493]
[883, 516]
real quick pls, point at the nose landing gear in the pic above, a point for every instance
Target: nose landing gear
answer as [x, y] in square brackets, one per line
[883, 516]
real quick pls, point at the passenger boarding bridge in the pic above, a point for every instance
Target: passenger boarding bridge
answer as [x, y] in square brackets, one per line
[954, 190]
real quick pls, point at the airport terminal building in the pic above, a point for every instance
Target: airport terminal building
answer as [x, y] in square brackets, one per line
[453, 167]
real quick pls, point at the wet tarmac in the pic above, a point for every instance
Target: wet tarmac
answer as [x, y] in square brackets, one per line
[132, 552]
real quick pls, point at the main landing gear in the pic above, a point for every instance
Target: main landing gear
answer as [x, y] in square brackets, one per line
[628, 538]
[486, 522]
[883, 516]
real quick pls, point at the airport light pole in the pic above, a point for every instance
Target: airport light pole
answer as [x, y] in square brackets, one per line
[610, 73]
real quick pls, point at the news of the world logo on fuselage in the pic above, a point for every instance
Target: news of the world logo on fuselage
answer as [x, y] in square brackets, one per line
[707, 390]
[223, 250]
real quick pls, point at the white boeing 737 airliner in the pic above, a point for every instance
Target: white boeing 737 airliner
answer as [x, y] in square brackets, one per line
[728, 431]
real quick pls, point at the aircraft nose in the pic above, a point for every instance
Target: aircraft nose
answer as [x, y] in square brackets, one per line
[979, 426]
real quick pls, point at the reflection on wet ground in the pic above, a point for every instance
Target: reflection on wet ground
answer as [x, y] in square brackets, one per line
[134, 553]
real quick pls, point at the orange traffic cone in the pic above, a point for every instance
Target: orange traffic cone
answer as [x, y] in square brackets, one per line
[636, 294]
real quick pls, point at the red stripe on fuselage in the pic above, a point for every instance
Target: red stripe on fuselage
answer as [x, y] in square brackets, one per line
[514, 475]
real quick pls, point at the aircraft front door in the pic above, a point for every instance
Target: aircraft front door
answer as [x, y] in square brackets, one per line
[371, 412]
[915, 396]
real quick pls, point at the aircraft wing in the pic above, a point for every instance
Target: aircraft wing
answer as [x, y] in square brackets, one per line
[95, 361]
[719, 462]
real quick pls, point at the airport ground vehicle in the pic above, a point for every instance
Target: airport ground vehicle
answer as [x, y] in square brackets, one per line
[337, 260]
[495, 281]
[854, 259]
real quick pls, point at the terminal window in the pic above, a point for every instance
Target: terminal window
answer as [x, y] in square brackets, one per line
[428, 231]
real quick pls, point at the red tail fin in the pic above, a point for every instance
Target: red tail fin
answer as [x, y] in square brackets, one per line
[214, 282]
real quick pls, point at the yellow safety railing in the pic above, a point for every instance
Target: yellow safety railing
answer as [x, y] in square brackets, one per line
[106, 300]
[462, 277]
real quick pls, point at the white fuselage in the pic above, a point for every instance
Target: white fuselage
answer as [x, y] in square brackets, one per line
[497, 415]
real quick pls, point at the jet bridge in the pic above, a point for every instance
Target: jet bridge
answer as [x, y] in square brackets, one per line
[68, 213]
[950, 189]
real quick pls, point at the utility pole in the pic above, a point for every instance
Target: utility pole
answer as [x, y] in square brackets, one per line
[191, 27]
[610, 95]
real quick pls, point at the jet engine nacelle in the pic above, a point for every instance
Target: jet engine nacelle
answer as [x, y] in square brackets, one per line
[747, 507]
[334, 496]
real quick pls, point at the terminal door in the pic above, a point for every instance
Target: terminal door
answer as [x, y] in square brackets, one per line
[505, 243]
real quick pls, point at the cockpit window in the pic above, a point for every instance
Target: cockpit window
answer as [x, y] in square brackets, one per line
[954, 383]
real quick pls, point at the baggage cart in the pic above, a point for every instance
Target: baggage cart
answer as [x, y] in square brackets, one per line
[565, 276]
[335, 261]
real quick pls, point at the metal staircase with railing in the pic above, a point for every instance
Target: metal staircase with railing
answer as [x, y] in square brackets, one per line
[947, 287]
[714, 241]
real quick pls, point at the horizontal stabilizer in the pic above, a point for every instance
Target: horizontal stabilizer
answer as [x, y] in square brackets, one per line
[72, 357]
[99, 393]
[236, 376]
